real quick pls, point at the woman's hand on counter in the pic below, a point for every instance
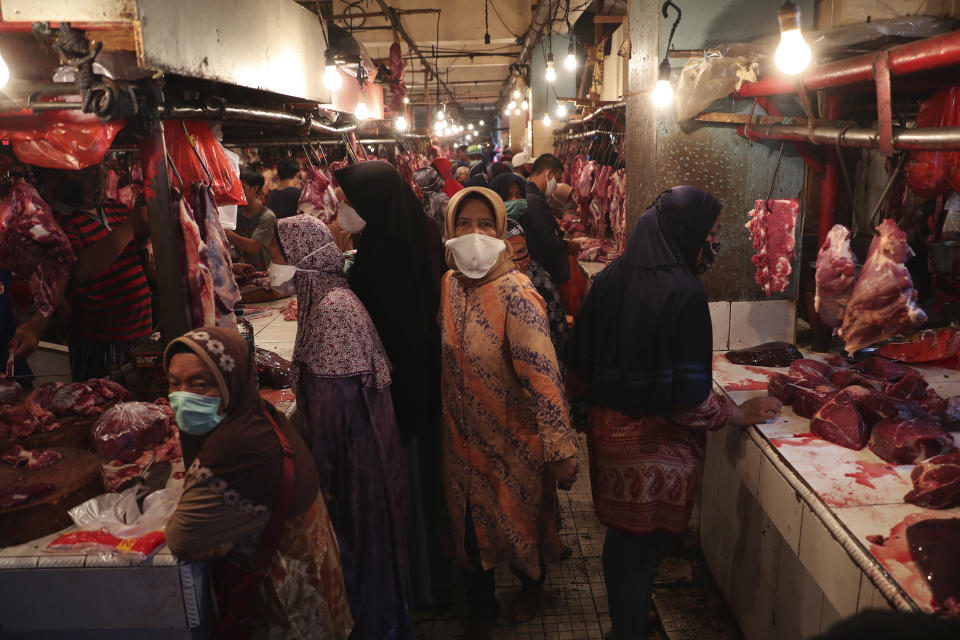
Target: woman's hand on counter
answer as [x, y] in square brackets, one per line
[756, 411]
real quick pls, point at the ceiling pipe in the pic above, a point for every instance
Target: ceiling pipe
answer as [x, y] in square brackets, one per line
[236, 113]
[540, 18]
[391, 15]
[590, 116]
[923, 55]
[925, 139]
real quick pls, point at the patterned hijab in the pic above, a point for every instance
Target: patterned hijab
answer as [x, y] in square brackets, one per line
[335, 336]
[243, 451]
[504, 263]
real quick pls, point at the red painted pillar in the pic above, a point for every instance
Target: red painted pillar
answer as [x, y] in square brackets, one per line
[829, 188]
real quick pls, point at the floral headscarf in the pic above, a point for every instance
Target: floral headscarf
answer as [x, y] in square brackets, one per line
[335, 336]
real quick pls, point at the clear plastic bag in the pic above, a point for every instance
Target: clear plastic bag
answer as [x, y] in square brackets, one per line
[714, 76]
[129, 428]
[114, 525]
[201, 158]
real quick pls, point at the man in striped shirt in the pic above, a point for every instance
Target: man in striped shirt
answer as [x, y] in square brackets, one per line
[108, 293]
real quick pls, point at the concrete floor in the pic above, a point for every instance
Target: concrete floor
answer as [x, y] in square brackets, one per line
[686, 598]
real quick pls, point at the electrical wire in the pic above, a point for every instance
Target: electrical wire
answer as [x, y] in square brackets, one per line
[500, 18]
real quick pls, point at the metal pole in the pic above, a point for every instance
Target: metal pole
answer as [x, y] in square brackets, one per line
[924, 138]
[167, 238]
[829, 189]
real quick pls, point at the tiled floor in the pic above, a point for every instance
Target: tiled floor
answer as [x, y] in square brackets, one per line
[576, 606]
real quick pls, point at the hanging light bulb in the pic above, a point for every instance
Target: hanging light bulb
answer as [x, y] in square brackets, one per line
[551, 74]
[400, 123]
[361, 112]
[570, 63]
[331, 77]
[469, 137]
[546, 119]
[406, 100]
[516, 94]
[438, 127]
[793, 53]
[516, 112]
[663, 93]
[470, 127]
[561, 110]
[512, 105]
[481, 123]
[525, 105]
[506, 110]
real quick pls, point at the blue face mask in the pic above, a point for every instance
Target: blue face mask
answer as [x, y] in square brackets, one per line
[197, 415]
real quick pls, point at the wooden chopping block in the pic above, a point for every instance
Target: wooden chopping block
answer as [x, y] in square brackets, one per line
[258, 294]
[76, 477]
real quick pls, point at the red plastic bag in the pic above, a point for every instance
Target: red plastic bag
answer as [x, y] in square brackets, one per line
[209, 153]
[66, 139]
[574, 290]
[129, 428]
[930, 172]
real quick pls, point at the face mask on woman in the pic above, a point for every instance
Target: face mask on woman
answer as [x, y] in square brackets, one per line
[281, 275]
[516, 208]
[197, 415]
[707, 255]
[349, 220]
[475, 253]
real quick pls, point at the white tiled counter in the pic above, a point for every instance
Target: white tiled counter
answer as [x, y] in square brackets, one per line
[785, 518]
[48, 595]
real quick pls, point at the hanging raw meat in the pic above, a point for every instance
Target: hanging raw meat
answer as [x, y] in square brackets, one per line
[884, 302]
[318, 198]
[836, 273]
[215, 257]
[199, 278]
[772, 228]
[398, 87]
[618, 208]
[32, 244]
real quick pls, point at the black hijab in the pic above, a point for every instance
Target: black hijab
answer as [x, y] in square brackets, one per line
[501, 184]
[394, 278]
[643, 338]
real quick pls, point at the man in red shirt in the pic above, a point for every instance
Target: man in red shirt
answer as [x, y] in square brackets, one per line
[108, 293]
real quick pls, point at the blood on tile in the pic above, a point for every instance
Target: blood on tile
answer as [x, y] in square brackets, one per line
[894, 555]
[867, 471]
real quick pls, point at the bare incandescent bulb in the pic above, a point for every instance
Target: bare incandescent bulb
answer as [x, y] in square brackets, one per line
[570, 63]
[331, 77]
[524, 105]
[441, 115]
[550, 74]
[480, 123]
[400, 123]
[662, 94]
[516, 94]
[561, 111]
[546, 119]
[361, 112]
[793, 52]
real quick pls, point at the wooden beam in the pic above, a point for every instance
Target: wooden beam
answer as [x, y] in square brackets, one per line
[608, 19]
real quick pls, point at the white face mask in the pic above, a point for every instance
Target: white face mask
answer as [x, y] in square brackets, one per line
[349, 220]
[551, 185]
[281, 277]
[475, 253]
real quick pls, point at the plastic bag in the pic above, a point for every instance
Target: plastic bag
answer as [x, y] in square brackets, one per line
[928, 172]
[114, 524]
[59, 139]
[713, 76]
[129, 428]
[209, 163]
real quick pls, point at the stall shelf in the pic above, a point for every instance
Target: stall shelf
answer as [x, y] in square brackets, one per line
[785, 519]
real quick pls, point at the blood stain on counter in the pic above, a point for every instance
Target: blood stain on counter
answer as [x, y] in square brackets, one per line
[867, 471]
[894, 555]
[801, 440]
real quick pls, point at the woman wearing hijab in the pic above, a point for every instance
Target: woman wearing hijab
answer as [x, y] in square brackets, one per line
[641, 353]
[341, 377]
[506, 435]
[435, 198]
[512, 188]
[251, 499]
[397, 280]
[541, 282]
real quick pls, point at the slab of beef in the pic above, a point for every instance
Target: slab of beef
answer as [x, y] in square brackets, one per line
[951, 414]
[909, 442]
[108, 390]
[10, 391]
[911, 387]
[32, 244]
[836, 274]
[936, 482]
[216, 256]
[847, 377]
[781, 388]
[273, 372]
[14, 496]
[199, 279]
[812, 371]
[772, 228]
[17, 456]
[933, 546]
[884, 302]
[884, 368]
[878, 407]
[839, 422]
[618, 209]
[129, 428]
[807, 402]
[768, 354]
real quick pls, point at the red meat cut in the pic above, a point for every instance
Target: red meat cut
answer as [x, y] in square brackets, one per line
[933, 546]
[807, 402]
[32, 244]
[10, 391]
[879, 407]
[936, 482]
[781, 388]
[812, 371]
[836, 274]
[13, 496]
[910, 387]
[769, 354]
[909, 442]
[129, 428]
[884, 302]
[17, 456]
[772, 228]
[884, 368]
[846, 378]
[215, 256]
[199, 278]
[839, 422]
